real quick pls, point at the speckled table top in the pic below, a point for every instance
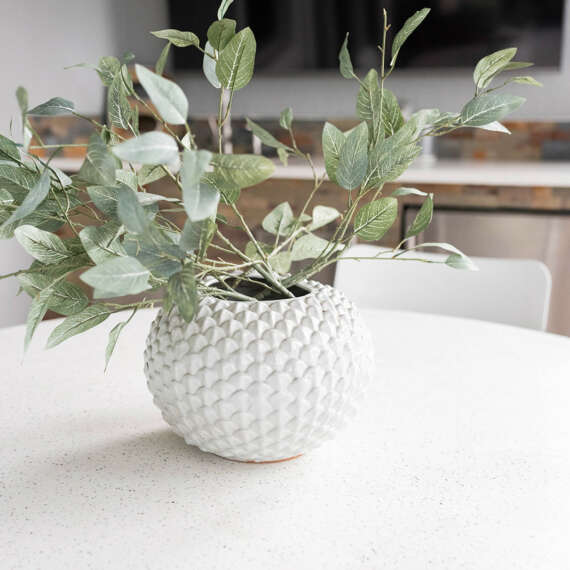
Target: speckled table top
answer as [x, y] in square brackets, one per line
[460, 458]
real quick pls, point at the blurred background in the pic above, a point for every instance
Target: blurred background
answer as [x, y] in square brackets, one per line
[496, 195]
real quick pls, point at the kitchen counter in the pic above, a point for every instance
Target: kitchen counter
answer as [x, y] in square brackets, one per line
[459, 172]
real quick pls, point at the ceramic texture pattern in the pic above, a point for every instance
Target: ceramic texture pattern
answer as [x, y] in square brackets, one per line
[260, 381]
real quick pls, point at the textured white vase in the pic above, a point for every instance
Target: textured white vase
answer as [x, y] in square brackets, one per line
[260, 381]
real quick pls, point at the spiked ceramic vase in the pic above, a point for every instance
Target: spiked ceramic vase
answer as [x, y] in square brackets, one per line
[260, 381]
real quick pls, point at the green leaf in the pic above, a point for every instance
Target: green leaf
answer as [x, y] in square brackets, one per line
[33, 199]
[118, 276]
[345, 63]
[64, 298]
[101, 242]
[279, 220]
[43, 246]
[192, 235]
[8, 149]
[283, 156]
[220, 33]
[38, 309]
[512, 65]
[368, 102]
[422, 219]
[182, 292]
[236, 61]
[390, 158]
[491, 65]
[224, 5]
[333, 141]
[22, 98]
[228, 190]
[6, 198]
[148, 174]
[76, 324]
[113, 338]
[376, 218]
[322, 216]
[392, 119]
[178, 38]
[105, 198]
[162, 59]
[119, 110]
[286, 118]
[169, 100]
[308, 246]
[403, 191]
[99, 165]
[353, 159]
[130, 211]
[460, 262]
[128, 178]
[495, 126]
[241, 170]
[150, 148]
[60, 177]
[107, 69]
[281, 262]
[406, 31]
[200, 200]
[53, 107]
[209, 66]
[266, 137]
[485, 109]
[525, 80]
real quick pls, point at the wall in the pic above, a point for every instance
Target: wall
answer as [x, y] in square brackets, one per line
[37, 40]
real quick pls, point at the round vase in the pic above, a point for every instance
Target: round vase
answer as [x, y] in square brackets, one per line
[260, 381]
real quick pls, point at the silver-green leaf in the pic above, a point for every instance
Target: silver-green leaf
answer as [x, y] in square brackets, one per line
[265, 136]
[333, 141]
[376, 218]
[220, 33]
[169, 99]
[33, 199]
[406, 31]
[242, 170]
[99, 165]
[76, 324]
[118, 276]
[150, 148]
[345, 63]
[422, 219]
[279, 220]
[485, 109]
[178, 38]
[322, 216]
[43, 246]
[101, 242]
[131, 212]
[308, 246]
[491, 65]
[182, 292]
[209, 66]
[353, 159]
[53, 107]
[237, 60]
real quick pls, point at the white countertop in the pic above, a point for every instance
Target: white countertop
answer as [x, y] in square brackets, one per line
[460, 172]
[459, 458]
[464, 172]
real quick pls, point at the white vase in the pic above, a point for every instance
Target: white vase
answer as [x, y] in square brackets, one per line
[262, 380]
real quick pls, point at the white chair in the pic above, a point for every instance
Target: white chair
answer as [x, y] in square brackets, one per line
[511, 291]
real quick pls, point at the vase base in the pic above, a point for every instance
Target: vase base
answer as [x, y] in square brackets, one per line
[264, 462]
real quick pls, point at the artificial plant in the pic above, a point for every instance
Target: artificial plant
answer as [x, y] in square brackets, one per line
[124, 244]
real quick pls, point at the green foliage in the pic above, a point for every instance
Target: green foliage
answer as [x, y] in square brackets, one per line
[125, 240]
[117, 277]
[150, 148]
[43, 246]
[53, 107]
[353, 158]
[169, 100]
[178, 38]
[76, 324]
[376, 218]
[408, 28]
[345, 62]
[236, 61]
[182, 292]
[220, 33]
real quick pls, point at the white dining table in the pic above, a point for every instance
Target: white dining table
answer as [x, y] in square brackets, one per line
[458, 459]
